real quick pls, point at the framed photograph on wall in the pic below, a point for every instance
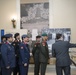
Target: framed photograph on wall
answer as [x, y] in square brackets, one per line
[52, 35]
[34, 16]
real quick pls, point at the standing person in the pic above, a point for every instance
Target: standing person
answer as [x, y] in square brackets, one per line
[16, 44]
[44, 54]
[24, 55]
[8, 56]
[3, 40]
[60, 50]
[0, 59]
[35, 52]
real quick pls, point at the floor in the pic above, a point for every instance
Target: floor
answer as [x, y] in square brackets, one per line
[50, 70]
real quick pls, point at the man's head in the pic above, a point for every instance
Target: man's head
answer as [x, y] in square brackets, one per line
[9, 37]
[44, 36]
[38, 38]
[59, 36]
[3, 38]
[17, 36]
[25, 38]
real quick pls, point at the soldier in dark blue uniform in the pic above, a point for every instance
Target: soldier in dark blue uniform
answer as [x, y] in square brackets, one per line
[0, 58]
[60, 50]
[3, 40]
[16, 44]
[35, 52]
[8, 56]
[24, 55]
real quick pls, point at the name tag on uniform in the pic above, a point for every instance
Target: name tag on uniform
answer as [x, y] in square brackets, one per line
[14, 44]
[9, 47]
[22, 47]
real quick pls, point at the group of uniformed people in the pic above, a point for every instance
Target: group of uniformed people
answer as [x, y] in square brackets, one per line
[60, 50]
[41, 54]
[15, 55]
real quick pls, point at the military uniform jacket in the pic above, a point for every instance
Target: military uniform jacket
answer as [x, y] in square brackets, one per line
[44, 52]
[36, 51]
[16, 44]
[60, 50]
[8, 55]
[0, 54]
[24, 54]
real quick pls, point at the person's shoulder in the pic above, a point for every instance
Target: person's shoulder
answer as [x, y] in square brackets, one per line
[0, 44]
[34, 43]
[21, 44]
[66, 41]
[54, 44]
[4, 45]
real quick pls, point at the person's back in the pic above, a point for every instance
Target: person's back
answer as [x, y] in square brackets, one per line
[60, 50]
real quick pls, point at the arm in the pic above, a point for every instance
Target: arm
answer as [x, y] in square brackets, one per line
[33, 50]
[0, 53]
[47, 50]
[53, 51]
[71, 45]
[44, 50]
[4, 55]
[22, 54]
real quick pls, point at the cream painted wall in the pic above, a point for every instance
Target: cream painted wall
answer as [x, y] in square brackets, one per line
[64, 15]
[33, 1]
[8, 9]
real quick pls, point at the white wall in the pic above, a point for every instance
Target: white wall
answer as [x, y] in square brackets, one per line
[33, 1]
[63, 15]
[7, 10]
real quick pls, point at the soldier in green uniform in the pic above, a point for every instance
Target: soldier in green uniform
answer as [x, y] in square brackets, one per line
[44, 54]
[35, 52]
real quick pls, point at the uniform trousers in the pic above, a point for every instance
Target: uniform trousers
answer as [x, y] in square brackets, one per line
[23, 70]
[61, 69]
[16, 70]
[43, 68]
[0, 71]
[7, 71]
[37, 67]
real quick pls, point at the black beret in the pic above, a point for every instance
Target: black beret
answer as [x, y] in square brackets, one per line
[17, 34]
[38, 36]
[8, 35]
[24, 36]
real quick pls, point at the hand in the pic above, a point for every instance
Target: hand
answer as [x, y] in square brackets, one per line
[25, 64]
[7, 67]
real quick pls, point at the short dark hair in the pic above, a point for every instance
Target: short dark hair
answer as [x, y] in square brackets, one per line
[2, 37]
[17, 34]
[58, 36]
[38, 36]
